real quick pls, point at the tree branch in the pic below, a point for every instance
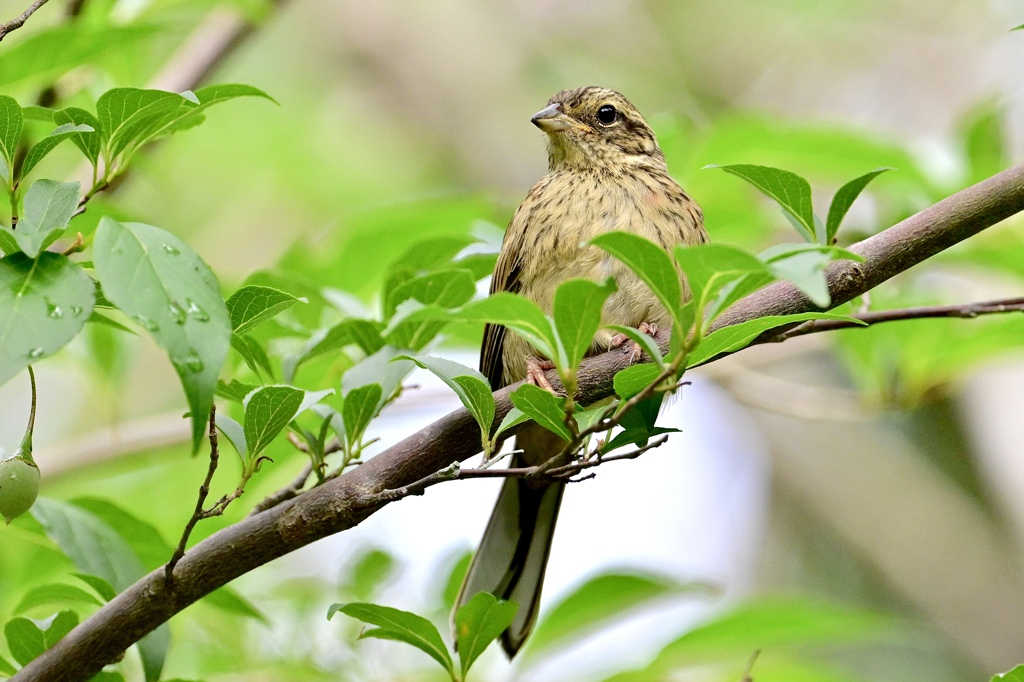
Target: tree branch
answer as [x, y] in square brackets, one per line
[963, 310]
[18, 22]
[346, 501]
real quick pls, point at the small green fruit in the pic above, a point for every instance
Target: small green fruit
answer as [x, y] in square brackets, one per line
[19, 486]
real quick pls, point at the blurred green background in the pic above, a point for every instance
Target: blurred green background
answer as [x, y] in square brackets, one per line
[895, 453]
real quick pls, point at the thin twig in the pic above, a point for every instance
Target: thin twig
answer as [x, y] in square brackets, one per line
[564, 473]
[204, 490]
[962, 310]
[18, 22]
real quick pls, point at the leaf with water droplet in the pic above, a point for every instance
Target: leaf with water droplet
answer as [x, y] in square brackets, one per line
[31, 292]
[178, 296]
[195, 312]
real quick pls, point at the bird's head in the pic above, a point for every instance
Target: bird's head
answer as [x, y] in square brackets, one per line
[592, 127]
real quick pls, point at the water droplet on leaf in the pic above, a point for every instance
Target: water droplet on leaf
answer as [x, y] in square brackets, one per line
[177, 314]
[171, 250]
[35, 353]
[192, 362]
[147, 324]
[195, 312]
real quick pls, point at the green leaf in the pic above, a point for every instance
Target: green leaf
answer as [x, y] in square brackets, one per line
[101, 586]
[268, 410]
[25, 640]
[49, 53]
[401, 626]
[653, 266]
[368, 572]
[97, 549]
[542, 407]
[49, 206]
[93, 546]
[380, 368]
[804, 266]
[252, 305]
[719, 275]
[775, 625]
[44, 303]
[144, 538]
[61, 625]
[737, 336]
[984, 137]
[478, 623]
[631, 380]
[46, 145]
[577, 315]
[130, 116]
[470, 385]
[791, 191]
[253, 354]
[54, 593]
[6, 668]
[842, 201]
[512, 419]
[11, 122]
[1017, 674]
[518, 314]
[222, 92]
[358, 408]
[230, 601]
[233, 431]
[234, 391]
[444, 288]
[158, 281]
[88, 142]
[34, 112]
[599, 601]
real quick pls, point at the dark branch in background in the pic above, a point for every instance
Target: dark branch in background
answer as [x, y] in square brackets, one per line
[18, 22]
[346, 501]
[963, 310]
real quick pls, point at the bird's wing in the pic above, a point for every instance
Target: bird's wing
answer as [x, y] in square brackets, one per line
[506, 278]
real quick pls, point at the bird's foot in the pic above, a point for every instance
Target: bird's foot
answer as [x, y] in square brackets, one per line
[634, 350]
[535, 368]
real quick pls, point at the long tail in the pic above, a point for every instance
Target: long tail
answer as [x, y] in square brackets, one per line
[513, 554]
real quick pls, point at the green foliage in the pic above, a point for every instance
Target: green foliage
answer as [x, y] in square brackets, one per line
[477, 623]
[162, 284]
[44, 303]
[48, 209]
[1017, 674]
[793, 194]
[599, 602]
[470, 386]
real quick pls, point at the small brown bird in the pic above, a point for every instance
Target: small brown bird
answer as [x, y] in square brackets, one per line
[605, 172]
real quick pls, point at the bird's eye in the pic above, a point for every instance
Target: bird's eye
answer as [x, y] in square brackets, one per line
[607, 115]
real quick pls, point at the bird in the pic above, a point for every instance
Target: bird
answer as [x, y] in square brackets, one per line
[606, 172]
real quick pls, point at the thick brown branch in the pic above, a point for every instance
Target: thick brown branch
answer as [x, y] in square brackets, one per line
[346, 501]
[19, 21]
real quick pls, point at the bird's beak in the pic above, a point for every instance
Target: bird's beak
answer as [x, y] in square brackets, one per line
[551, 119]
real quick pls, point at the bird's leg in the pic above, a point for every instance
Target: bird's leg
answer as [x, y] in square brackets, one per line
[649, 328]
[535, 368]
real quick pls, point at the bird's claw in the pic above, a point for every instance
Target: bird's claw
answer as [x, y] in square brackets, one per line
[634, 350]
[535, 369]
